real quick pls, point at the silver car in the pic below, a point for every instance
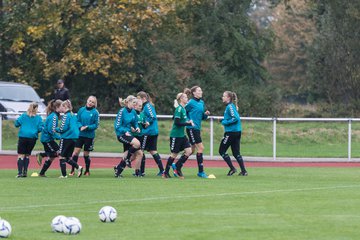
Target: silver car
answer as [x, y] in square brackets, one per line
[15, 99]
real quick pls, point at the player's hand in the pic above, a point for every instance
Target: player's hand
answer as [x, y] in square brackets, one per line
[137, 130]
[146, 124]
[83, 128]
[127, 134]
[207, 112]
[133, 129]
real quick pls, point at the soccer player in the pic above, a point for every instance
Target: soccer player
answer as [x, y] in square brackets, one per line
[48, 136]
[178, 140]
[88, 117]
[30, 125]
[232, 135]
[138, 105]
[69, 133]
[150, 129]
[125, 121]
[196, 111]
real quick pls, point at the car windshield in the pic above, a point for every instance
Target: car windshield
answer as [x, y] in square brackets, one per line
[18, 94]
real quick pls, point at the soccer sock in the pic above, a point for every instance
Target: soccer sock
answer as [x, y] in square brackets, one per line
[72, 163]
[181, 162]
[228, 161]
[26, 165]
[199, 158]
[142, 166]
[168, 164]
[158, 161]
[120, 167]
[45, 167]
[240, 160]
[87, 163]
[131, 151]
[63, 167]
[20, 165]
[75, 159]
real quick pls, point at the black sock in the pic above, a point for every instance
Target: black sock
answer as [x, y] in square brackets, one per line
[75, 159]
[63, 167]
[72, 163]
[45, 167]
[142, 166]
[120, 167]
[26, 165]
[158, 161]
[199, 158]
[240, 160]
[228, 161]
[87, 163]
[20, 165]
[181, 162]
[168, 164]
[130, 152]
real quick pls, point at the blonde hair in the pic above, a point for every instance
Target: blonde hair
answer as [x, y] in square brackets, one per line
[233, 98]
[32, 110]
[52, 105]
[177, 100]
[126, 101]
[95, 100]
[138, 102]
[67, 104]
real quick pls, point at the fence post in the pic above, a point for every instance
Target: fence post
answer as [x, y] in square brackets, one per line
[274, 139]
[0, 132]
[349, 140]
[211, 137]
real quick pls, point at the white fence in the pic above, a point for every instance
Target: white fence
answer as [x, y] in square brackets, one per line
[274, 128]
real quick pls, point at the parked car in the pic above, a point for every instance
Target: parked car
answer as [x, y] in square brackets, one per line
[16, 97]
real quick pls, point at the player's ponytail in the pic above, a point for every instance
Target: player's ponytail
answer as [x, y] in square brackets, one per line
[235, 100]
[32, 110]
[177, 100]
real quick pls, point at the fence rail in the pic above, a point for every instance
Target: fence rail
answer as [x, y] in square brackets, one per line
[211, 119]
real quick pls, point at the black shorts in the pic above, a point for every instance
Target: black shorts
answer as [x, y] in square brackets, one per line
[26, 145]
[67, 147]
[51, 148]
[149, 143]
[125, 140]
[194, 136]
[88, 143]
[177, 144]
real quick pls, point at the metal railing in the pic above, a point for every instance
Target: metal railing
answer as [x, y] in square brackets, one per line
[274, 128]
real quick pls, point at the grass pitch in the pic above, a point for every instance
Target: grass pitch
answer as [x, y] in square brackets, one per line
[271, 203]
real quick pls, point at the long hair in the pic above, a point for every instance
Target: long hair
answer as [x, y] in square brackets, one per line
[32, 110]
[67, 104]
[190, 91]
[145, 95]
[52, 105]
[177, 100]
[126, 101]
[233, 98]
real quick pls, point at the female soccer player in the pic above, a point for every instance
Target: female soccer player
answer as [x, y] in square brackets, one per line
[125, 120]
[88, 117]
[232, 135]
[69, 133]
[49, 134]
[30, 125]
[195, 109]
[138, 105]
[150, 130]
[178, 140]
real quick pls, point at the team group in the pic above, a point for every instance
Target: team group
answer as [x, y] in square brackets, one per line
[136, 127]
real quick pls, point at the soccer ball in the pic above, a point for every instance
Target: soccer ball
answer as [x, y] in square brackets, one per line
[76, 220]
[107, 214]
[57, 223]
[71, 226]
[5, 228]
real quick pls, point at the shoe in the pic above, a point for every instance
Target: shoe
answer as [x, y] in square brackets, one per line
[80, 171]
[165, 175]
[128, 163]
[19, 176]
[142, 175]
[243, 174]
[119, 176]
[72, 173]
[24, 175]
[87, 174]
[42, 175]
[159, 174]
[39, 158]
[63, 176]
[173, 166]
[115, 172]
[231, 172]
[202, 175]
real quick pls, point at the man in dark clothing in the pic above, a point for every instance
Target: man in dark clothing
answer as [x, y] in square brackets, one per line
[61, 92]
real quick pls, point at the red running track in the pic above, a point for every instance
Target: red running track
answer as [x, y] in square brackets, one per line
[9, 162]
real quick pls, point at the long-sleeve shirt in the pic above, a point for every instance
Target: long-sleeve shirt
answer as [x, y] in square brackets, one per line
[231, 121]
[29, 126]
[49, 133]
[69, 126]
[125, 119]
[195, 110]
[150, 117]
[88, 117]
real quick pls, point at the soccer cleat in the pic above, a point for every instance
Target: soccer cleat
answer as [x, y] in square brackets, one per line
[243, 174]
[80, 171]
[61, 177]
[128, 163]
[39, 158]
[72, 173]
[165, 175]
[115, 172]
[18, 176]
[87, 174]
[42, 175]
[159, 174]
[202, 175]
[173, 166]
[24, 175]
[231, 172]
[119, 176]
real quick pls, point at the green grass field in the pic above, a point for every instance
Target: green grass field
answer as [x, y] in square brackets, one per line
[271, 203]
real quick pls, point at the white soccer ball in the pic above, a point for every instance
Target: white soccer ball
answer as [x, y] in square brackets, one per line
[5, 228]
[57, 223]
[107, 214]
[76, 220]
[71, 226]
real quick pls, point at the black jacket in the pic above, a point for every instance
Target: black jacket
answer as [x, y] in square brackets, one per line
[62, 94]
